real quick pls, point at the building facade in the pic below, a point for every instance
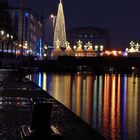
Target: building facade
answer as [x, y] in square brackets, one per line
[28, 32]
[99, 37]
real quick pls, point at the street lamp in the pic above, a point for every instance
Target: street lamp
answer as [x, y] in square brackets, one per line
[7, 42]
[53, 17]
[10, 42]
[15, 47]
[5, 38]
[45, 50]
[2, 32]
[74, 47]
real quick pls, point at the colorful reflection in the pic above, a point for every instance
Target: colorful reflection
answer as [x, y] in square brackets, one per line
[109, 103]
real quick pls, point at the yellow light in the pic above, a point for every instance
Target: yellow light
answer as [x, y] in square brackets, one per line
[133, 68]
[7, 35]
[79, 43]
[12, 37]
[2, 32]
[101, 48]
[114, 53]
[45, 47]
[119, 52]
[96, 47]
[74, 47]
[52, 16]
[108, 53]
[25, 47]
[132, 43]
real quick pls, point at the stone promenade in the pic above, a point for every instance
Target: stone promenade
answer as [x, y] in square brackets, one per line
[15, 111]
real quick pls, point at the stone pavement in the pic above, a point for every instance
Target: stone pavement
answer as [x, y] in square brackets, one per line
[15, 111]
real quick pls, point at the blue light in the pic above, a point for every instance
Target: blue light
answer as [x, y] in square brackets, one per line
[17, 13]
[40, 47]
[26, 14]
[123, 102]
[39, 79]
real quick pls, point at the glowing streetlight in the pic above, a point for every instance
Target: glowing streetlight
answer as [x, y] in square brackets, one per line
[53, 17]
[2, 32]
[74, 47]
[20, 45]
[12, 36]
[7, 35]
[45, 47]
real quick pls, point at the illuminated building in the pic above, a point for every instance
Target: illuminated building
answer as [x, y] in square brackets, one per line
[28, 30]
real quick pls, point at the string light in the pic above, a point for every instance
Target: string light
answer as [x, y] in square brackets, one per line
[60, 31]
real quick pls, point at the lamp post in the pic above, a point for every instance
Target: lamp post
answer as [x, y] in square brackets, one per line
[15, 47]
[11, 43]
[53, 17]
[7, 43]
[2, 32]
[45, 51]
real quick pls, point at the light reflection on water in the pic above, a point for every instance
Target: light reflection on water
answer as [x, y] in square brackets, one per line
[109, 103]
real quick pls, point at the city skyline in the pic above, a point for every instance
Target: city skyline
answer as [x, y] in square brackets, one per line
[120, 17]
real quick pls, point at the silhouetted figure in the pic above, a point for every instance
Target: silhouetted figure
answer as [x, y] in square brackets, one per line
[40, 126]
[41, 116]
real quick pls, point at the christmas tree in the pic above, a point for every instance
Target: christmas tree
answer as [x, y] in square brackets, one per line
[60, 31]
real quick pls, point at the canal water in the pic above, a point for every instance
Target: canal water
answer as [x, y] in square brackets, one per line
[110, 103]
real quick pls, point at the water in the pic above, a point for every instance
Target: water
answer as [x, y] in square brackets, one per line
[110, 103]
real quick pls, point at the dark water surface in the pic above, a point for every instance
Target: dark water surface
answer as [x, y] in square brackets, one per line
[110, 103]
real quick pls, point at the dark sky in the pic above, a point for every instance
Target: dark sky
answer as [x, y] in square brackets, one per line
[121, 17]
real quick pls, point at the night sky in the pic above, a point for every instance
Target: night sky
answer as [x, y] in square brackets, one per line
[121, 17]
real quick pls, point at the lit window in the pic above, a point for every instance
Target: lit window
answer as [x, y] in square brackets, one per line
[85, 36]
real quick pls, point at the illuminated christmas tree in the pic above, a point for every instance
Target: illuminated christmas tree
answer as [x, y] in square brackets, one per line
[60, 31]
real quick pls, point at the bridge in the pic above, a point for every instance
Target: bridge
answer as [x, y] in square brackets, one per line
[99, 64]
[70, 64]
